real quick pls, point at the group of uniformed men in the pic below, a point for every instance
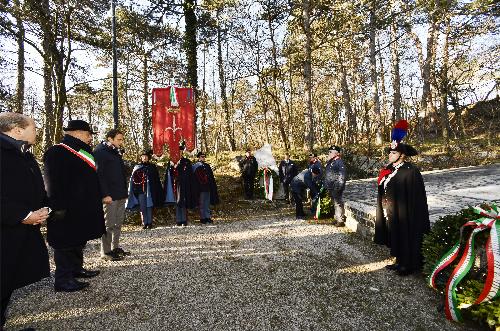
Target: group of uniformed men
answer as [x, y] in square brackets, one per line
[294, 183]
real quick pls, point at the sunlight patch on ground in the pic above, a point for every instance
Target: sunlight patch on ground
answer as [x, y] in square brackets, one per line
[364, 268]
[61, 314]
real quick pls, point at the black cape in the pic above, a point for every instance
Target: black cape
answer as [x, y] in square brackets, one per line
[249, 167]
[24, 256]
[287, 171]
[201, 169]
[155, 187]
[183, 183]
[407, 218]
[72, 185]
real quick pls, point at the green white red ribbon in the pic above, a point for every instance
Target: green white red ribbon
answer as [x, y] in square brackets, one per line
[318, 208]
[82, 154]
[489, 221]
[268, 184]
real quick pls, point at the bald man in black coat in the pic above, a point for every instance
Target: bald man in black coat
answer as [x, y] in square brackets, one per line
[24, 256]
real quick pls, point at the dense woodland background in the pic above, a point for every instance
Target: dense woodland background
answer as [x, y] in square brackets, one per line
[297, 74]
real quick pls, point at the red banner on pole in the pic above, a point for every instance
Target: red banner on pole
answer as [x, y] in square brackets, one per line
[173, 120]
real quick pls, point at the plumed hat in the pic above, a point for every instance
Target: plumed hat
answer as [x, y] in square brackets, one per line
[400, 131]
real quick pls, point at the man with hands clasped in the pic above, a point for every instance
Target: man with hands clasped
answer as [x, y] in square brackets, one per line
[24, 256]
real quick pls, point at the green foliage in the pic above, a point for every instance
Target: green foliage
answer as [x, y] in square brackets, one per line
[444, 234]
[326, 205]
[484, 314]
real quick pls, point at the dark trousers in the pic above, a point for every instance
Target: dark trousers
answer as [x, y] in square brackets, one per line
[338, 205]
[68, 262]
[4, 303]
[180, 215]
[248, 187]
[146, 212]
[286, 191]
[299, 207]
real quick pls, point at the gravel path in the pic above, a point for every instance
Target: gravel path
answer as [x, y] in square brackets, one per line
[268, 274]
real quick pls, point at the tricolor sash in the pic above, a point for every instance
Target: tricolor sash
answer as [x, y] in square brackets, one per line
[490, 220]
[268, 184]
[82, 154]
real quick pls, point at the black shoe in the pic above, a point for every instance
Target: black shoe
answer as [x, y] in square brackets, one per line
[150, 226]
[120, 252]
[204, 221]
[394, 266]
[144, 227]
[181, 224]
[209, 221]
[70, 286]
[84, 273]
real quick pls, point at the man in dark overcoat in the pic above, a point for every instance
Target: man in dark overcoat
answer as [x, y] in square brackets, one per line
[287, 170]
[183, 188]
[313, 183]
[24, 257]
[75, 198]
[205, 188]
[113, 183]
[249, 167]
[334, 182]
[299, 185]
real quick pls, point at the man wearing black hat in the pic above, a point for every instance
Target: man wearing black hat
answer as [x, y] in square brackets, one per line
[287, 170]
[249, 167]
[113, 183]
[183, 188]
[334, 182]
[205, 187]
[145, 191]
[75, 198]
[402, 213]
[23, 254]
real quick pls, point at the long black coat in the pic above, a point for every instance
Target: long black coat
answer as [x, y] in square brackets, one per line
[205, 181]
[407, 219]
[111, 172]
[287, 170]
[24, 257]
[72, 185]
[184, 184]
[249, 167]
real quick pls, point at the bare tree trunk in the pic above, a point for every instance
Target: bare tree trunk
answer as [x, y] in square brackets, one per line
[346, 100]
[373, 75]
[204, 141]
[20, 59]
[306, 22]
[277, 101]
[260, 87]
[49, 119]
[384, 94]
[146, 118]
[61, 66]
[443, 107]
[222, 81]
[426, 72]
[396, 78]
